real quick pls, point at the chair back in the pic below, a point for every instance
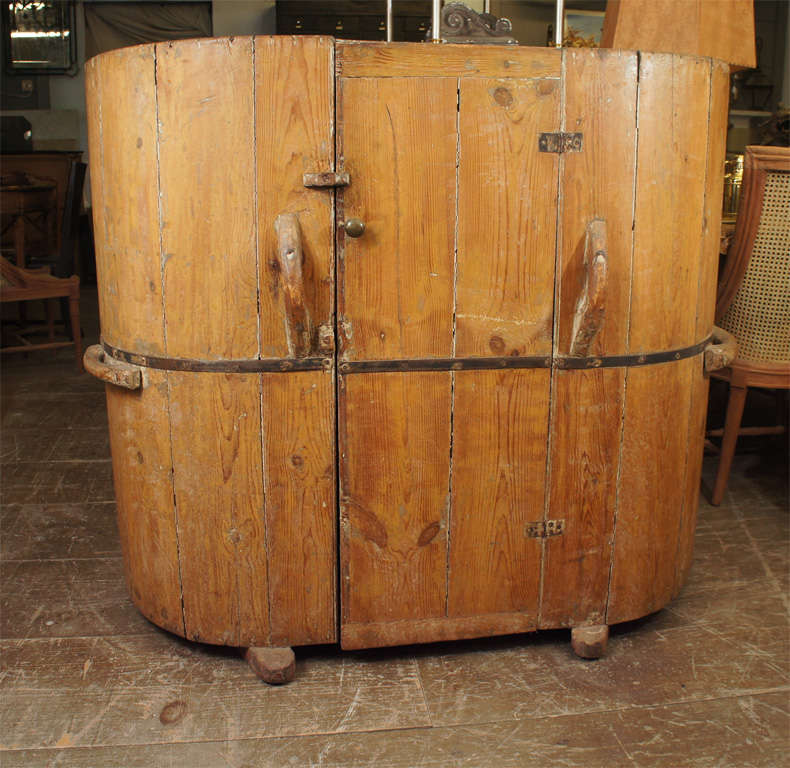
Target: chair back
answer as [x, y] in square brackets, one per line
[754, 294]
[64, 266]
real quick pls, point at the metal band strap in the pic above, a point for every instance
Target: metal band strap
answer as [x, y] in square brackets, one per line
[284, 365]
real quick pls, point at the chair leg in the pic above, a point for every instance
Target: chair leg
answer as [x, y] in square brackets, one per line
[50, 306]
[76, 330]
[732, 424]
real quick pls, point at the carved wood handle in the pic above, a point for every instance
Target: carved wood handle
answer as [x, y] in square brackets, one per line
[298, 323]
[722, 351]
[590, 311]
[105, 368]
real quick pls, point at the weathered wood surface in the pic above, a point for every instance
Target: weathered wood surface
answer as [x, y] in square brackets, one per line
[382, 60]
[500, 428]
[294, 134]
[301, 510]
[590, 642]
[112, 371]
[394, 486]
[143, 478]
[273, 665]
[722, 30]
[122, 128]
[399, 143]
[507, 214]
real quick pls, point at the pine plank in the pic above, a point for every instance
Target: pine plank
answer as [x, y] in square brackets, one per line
[395, 454]
[205, 90]
[124, 178]
[673, 132]
[507, 212]
[586, 420]
[714, 191]
[294, 135]
[299, 456]
[652, 488]
[375, 59]
[398, 142]
[143, 478]
[500, 430]
[219, 498]
[598, 182]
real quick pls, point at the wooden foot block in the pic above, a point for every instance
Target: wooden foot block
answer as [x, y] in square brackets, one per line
[273, 665]
[590, 642]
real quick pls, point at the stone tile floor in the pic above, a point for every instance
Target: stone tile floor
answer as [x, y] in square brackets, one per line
[87, 682]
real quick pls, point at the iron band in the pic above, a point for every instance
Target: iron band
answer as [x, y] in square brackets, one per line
[284, 365]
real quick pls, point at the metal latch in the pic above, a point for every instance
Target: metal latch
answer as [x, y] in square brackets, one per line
[560, 142]
[544, 528]
[326, 180]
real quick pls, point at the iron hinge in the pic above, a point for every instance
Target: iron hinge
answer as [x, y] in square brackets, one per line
[542, 529]
[560, 142]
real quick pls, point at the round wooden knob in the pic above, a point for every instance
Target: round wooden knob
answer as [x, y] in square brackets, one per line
[354, 227]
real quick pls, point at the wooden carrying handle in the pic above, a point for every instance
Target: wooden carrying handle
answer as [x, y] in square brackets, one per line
[298, 323]
[590, 312]
[721, 351]
[110, 370]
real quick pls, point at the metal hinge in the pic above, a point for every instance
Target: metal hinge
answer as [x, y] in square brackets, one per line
[560, 142]
[326, 180]
[542, 529]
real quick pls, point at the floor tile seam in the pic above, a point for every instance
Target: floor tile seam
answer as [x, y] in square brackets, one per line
[416, 665]
[114, 558]
[49, 462]
[54, 504]
[282, 736]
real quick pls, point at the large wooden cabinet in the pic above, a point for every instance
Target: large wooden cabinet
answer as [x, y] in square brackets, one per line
[438, 457]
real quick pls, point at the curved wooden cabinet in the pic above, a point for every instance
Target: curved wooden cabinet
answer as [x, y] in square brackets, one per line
[487, 407]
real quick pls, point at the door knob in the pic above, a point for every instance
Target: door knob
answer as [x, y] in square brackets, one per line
[354, 227]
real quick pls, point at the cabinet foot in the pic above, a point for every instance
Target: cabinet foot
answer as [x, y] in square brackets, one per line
[273, 665]
[590, 642]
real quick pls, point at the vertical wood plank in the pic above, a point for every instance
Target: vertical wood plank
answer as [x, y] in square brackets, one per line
[395, 453]
[219, 494]
[498, 485]
[714, 190]
[652, 488]
[204, 90]
[600, 102]
[398, 143]
[507, 212]
[143, 478]
[586, 419]
[299, 456]
[673, 133]
[294, 108]
[123, 156]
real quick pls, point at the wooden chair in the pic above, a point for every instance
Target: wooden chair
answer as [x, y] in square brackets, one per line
[753, 301]
[51, 278]
[18, 284]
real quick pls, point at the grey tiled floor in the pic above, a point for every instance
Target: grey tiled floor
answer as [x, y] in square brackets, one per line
[87, 682]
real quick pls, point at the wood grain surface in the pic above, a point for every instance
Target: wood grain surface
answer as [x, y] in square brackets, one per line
[209, 267]
[374, 59]
[651, 488]
[143, 479]
[600, 93]
[301, 511]
[122, 121]
[294, 135]
[395, 297]
[219, 497]
[507, 213]
[500, 430]
[670, 183]
[586, 423]
[394, 495]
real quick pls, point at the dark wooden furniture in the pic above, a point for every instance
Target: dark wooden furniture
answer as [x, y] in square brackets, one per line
[753, 301]
[18, 284]
[28, 203]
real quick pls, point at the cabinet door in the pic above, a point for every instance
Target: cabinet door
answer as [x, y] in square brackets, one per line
[445, 307]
